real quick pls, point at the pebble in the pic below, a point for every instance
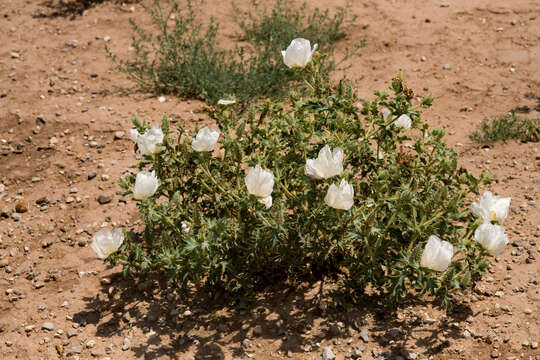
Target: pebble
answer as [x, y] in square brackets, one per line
[257, 330]
[126, 345]
[119, 135]
[364, 335]
[49, 326]
[72, 43]
[21, 206]
[447, 67]
[92, 174]
[102, 199]
[327, 353]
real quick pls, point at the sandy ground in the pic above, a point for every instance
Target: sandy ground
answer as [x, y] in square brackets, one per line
[60, 151]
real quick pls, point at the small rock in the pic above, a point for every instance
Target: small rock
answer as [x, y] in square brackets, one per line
[447, 67]
[119, 135]
[72, 43]
[92, 174]
[126, 345]
[364, 335]
[102, 199]
[257, 330]
[444, 4]
[327, 353]
[49, 326]
[21, 206]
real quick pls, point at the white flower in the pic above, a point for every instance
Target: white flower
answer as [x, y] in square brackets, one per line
[491, 207]
[259, 182]
[146, 185]
[205, 140]
[340, 197]
[148, 143]
[105, 242]
[492, 238]
[404, 121]
[226, 102]
[329, 163]
[437, 254]
[385, 113]
[299, 53]
[134, 134]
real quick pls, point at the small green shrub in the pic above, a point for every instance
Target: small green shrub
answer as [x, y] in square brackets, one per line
[203, 228]
[185, 59]
[274, 28]
[507, 127]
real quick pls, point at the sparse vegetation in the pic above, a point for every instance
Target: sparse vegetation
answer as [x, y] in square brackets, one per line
[186, 59]
[507, 127]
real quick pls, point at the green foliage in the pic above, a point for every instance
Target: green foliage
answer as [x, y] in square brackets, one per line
[275, 28]
[407, 186]
[186, 59]
[507, 127]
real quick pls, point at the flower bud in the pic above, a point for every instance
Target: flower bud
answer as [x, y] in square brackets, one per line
[146, 185]
[259, 182]
[329, 163]
[205, 140]
[299, 53]
[492, 238]
[404, 121]
[340, 197]
[437, 254]
[385, 113]
[267, 201]
[105, 242]
[491, 208]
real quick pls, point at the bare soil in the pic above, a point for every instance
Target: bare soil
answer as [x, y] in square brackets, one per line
[59, 113]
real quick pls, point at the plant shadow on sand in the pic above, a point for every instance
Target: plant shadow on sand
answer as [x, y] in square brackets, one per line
[72, 8]
[281, 313]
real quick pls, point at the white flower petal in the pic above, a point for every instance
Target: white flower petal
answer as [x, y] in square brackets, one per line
[404, 121]
[329, 163]
[259, 182]
[491, 208]
[205, 140]
[148, 143]
[105, 242]
[267, 201]
[298, 53]
[340, 197]
[226, 102]
[492, 238]
[437, 254]
[146, 184]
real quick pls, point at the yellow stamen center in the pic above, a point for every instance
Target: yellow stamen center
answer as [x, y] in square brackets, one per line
[494, 215]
